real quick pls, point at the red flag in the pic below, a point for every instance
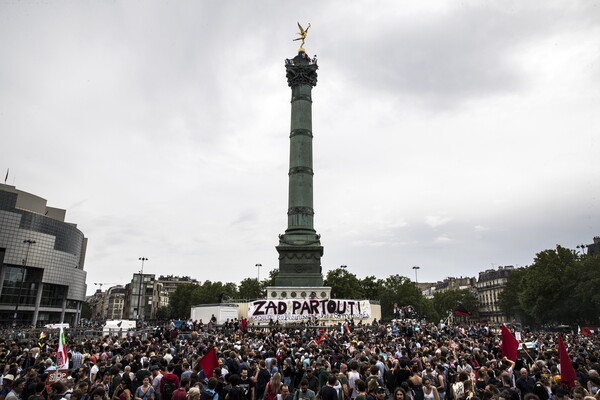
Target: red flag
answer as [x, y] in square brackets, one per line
[321, 336]
[586, 331]
[510, 345]
[209, 362]
[567, 372]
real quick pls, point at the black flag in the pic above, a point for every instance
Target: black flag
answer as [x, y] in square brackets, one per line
[461, 310]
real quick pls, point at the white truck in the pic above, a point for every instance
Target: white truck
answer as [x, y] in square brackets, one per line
[118, 327]
[221, 311]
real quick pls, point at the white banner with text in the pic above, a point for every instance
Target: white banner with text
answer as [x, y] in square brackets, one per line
[298, 310]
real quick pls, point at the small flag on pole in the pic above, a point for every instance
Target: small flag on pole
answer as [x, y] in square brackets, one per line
[62, 358]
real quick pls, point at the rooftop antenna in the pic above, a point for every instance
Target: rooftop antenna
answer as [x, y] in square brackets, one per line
[6, 178]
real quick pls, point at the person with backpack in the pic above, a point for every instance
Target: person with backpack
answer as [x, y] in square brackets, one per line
[169, 383]
[182, 391]
[210, 393]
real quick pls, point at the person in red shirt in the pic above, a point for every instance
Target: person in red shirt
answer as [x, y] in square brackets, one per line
[181, 393]
[169, 383]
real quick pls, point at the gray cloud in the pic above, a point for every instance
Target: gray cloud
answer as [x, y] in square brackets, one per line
[450, 136]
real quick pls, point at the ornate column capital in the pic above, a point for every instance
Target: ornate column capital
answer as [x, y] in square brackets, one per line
[301, 70]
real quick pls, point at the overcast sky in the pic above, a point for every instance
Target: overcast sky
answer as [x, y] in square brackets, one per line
[456, 136]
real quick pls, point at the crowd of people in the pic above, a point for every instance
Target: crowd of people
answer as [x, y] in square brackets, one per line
[403, 360]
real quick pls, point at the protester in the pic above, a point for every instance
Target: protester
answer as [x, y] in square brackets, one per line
[273, 387]
[16, 389]
[145, 391]
[457, 361]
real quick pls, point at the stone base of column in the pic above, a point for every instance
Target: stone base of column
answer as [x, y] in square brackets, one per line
[300, 265]
[298, 292]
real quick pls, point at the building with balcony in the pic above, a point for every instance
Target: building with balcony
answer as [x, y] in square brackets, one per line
[143, 296]
[115, 302]
[490, 284]
[449, 283]
[42, 279]
[97, 303]
[170, 282]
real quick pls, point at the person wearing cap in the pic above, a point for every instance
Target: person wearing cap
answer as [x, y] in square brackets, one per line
[313, 381]
[7, 382]
[17, 388]
[380, 393]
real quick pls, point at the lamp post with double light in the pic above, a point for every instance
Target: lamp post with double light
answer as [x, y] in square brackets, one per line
[416, 268]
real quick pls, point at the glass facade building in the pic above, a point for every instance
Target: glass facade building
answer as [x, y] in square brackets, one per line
[41, 262]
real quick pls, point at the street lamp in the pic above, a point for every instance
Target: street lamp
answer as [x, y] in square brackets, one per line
[258, 266]
[142, 259]
[29, 242]
[416, 268]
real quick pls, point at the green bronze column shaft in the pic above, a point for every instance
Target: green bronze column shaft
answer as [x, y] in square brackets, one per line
[300, 198]
[299, 248]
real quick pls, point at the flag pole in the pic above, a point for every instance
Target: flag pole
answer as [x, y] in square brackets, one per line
[524, 348]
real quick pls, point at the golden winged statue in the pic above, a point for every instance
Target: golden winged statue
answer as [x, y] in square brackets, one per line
[303, 32]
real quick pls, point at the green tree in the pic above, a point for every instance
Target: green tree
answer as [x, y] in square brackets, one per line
[250, 289]
[584, 299]
[548, 285]
[344, 284]
[402, 291]
[182, 299]
[270, 281]
[371, 287]
[164, 313]
[444, 302]
[214, 292]
[427, 311]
